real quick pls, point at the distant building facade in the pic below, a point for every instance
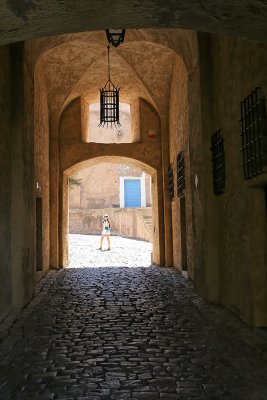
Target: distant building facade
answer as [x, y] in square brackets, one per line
[109, 185]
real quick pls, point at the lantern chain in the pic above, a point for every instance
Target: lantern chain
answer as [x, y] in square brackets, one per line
[108, 63]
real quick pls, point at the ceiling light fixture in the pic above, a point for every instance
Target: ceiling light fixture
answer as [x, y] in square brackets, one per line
[109, 102]
[115, 36]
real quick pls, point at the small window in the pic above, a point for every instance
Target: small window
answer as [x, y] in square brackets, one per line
[170, 183]
[180, 174]
[253, 134]
[218, 162]
[108, 134]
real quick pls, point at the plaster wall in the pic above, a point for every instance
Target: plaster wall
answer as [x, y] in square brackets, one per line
[135, 121]
[41, 159]
[149, 123]
[109, 134]
[22, 162]
[156, 130]
[17, 191]
[234, 268]
[85, 134]
[5, 189]
[100, 186]
[179, 142]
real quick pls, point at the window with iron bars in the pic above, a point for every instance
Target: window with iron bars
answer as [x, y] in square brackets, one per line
[170, 183]
[218, 162]
[253, 134]
[180, 174]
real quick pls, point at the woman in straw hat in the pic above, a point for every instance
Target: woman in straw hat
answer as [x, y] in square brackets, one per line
[106, 226]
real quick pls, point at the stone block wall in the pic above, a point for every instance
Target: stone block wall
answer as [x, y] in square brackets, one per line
[234, 263]
[125, 222]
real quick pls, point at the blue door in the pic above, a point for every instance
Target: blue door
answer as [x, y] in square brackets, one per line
[132, 193]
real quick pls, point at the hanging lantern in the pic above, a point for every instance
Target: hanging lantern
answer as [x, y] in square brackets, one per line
[115, 36]
[109, 102]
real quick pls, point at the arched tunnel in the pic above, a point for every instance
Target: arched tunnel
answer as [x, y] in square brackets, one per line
[192, 87]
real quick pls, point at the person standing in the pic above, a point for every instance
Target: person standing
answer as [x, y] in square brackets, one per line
[106, 228]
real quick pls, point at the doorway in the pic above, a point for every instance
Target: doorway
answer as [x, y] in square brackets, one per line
[82, 198]
[121, 191]
[132, 193]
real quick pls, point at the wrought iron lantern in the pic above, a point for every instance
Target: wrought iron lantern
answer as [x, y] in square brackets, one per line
[109, 102]
[115, 36]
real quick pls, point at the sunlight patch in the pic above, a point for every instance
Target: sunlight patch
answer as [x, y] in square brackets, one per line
[84, 252]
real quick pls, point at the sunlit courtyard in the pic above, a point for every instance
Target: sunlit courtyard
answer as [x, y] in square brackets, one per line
[84, 252]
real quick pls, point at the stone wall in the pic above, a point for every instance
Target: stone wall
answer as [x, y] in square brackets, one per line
[5, 188]
[100, 186]
[149, 123]
[41, 161]
[125, 222]
[17, 190]
[179, 142]
[73, 67]
[235, 231]
[226, 235]
[231, 18]
[17, 183]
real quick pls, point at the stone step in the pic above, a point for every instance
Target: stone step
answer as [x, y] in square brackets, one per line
[146, 215]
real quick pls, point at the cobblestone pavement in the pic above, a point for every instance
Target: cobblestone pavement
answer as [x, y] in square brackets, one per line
[129, 333]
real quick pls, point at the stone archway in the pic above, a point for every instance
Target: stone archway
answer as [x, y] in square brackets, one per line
[158, 242]
[146, 86]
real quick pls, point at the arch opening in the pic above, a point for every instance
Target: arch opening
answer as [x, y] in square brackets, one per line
[146, 90]
[104, 185]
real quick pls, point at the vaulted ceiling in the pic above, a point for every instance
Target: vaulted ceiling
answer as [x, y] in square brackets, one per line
[76, 65]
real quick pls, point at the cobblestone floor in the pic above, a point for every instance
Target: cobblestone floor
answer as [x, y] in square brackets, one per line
[117, 332]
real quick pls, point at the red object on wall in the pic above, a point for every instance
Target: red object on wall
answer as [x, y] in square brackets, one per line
[151, 133]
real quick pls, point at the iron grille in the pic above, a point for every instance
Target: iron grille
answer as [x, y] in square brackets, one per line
[218, 162]
[253, 134]
[170, 183]
[109, 105]
[109, 102]
[180, 174]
